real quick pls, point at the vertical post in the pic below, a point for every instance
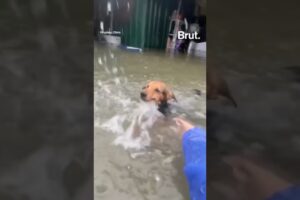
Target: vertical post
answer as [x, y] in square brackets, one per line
[144, 21]
[176, 25]
[110, 11]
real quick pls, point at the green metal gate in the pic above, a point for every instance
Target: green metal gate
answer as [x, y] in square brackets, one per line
[149, 24]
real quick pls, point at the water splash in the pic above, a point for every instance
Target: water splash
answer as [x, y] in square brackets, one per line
[132, 129]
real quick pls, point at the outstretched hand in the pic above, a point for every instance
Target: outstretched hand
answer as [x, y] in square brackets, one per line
[183, 125]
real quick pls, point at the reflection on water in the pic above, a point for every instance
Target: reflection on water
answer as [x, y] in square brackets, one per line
[137, 153]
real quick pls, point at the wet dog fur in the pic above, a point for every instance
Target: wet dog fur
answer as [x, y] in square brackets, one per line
[160, 93]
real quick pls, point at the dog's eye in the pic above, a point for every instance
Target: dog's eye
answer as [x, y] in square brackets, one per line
[156, 90]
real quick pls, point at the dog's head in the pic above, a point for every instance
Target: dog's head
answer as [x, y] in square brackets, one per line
[158, 92]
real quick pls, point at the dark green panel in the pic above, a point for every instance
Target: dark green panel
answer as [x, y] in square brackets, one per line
[148, 27]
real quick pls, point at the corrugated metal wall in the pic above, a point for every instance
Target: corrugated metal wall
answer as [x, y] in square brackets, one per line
[149, 24]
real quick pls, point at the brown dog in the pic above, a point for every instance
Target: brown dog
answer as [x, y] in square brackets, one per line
[160, 93]
[217, 86]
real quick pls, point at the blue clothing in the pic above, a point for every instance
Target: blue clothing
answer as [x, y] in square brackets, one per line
[291, 193]
[194, 150]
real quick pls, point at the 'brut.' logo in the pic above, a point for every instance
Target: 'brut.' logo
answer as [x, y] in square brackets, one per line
[181, 35]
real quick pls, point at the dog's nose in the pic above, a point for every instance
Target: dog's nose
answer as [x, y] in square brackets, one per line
[143, 95]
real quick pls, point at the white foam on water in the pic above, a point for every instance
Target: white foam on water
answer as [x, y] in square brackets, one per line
[132, 128]
[100, 61]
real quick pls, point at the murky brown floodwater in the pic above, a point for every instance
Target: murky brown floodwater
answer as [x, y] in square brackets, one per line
[149, 166]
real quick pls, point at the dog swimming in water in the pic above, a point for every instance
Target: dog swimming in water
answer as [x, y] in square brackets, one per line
[160, 93]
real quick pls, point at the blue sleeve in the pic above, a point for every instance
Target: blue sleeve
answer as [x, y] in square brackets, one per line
[291, 193]
[194, 150]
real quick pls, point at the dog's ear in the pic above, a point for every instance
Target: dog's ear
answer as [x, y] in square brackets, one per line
[169, 95]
